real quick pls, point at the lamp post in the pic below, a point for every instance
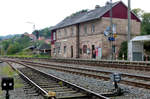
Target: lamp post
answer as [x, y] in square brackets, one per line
[129, 27]
[36, 31]
[32, 24]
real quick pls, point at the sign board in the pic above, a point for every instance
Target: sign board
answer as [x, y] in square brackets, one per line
[115, 35]
[111, 38]
[99, 53]
[107, 31]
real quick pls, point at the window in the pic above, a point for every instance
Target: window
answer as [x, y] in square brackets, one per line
[65, 31]
[59, 50]
[93, 28]
[114, 28]
[72, 30]
[54, 35]
[114, 48]
[65, 48]
[80, 50]
[84, 48]
[85, 29]
[59, 32]
[54, 50]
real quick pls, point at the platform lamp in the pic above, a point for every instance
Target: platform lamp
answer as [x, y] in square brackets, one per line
[7, 84]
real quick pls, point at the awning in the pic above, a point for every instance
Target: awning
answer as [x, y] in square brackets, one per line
[141, 38]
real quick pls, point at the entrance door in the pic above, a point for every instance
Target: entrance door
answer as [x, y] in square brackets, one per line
[71, 51]
[93, 48]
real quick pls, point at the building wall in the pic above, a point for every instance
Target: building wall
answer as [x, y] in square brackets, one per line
[65, 37]
[96, 37]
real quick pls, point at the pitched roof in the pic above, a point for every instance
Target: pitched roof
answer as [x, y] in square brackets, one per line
[84, 16]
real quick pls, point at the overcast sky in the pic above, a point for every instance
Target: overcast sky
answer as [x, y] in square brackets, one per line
[18, 16]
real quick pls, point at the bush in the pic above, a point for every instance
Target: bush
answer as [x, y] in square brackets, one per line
[123, 50]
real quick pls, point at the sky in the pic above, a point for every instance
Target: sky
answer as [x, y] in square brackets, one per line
[19, 16]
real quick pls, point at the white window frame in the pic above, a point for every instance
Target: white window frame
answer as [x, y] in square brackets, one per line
[93, 28]
[54, 35]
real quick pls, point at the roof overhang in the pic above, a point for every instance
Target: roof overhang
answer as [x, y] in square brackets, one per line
[141, 38]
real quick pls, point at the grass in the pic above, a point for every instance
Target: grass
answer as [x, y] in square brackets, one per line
[9, 72]
[31, 56]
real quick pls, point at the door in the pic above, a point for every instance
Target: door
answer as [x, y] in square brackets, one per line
[93, 48]
[71, 51]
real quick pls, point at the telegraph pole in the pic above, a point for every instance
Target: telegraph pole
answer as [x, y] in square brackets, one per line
[129, 27]
[111, 32]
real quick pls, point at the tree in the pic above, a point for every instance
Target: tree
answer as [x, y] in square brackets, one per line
[43, 32]
[145, 24]
[123, 50]
[138, 12]
[13, 49]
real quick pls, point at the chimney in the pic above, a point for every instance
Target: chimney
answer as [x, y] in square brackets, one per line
[97, 6]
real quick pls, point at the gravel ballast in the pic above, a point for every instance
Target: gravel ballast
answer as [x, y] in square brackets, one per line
[99, 86]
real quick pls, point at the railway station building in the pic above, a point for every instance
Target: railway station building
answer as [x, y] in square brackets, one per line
[84, 35]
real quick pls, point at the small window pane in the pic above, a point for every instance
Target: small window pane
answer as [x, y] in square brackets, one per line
[65, 49]
[93, 28]
[65, 31]
[72, 30]
[54, 50]
[114, 28]
[54, 35]
[59, 50]
[85, 29]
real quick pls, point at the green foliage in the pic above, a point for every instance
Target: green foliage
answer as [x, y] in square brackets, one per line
[5, 44]
[6, 70]
[13, 48]
[147, 47]
[138, 12]
[14, 45]
[43, 32]
[145, 18]
[146, 24]
[123, 50]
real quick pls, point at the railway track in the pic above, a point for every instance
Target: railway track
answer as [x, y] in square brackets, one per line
[140, 81]
[45, 83]
[134, 65]
[129, 79]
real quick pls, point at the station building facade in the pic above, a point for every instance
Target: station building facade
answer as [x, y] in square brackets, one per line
[82, 35]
